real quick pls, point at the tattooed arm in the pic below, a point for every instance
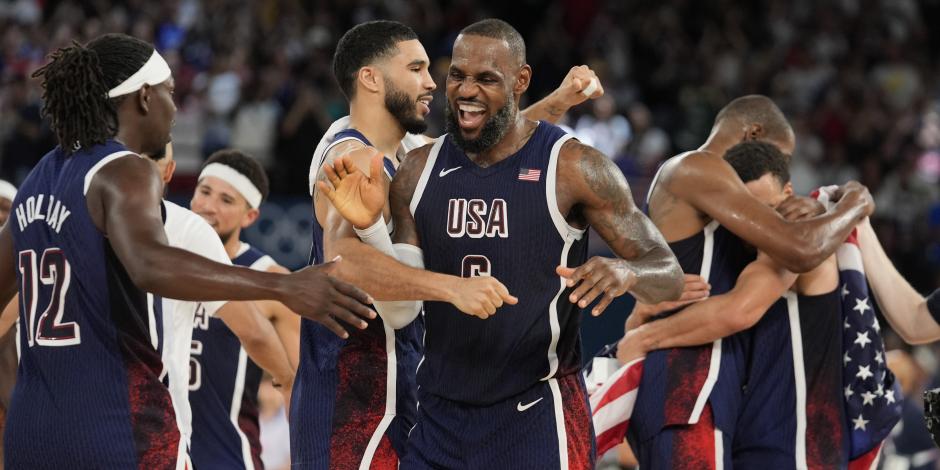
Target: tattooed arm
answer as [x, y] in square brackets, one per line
[593, 191]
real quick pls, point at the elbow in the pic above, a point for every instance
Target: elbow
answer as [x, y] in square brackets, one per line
[147, 279]
[806, 259]
[401, 314]
[663, 288]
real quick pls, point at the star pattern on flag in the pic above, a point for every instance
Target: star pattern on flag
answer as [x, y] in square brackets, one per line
[846, 359]
[864, 372]
[861, 306]
[846, 325]
[868, 398]
[845, 290]
[859, 423]
[848, 391]
[879, 358]
[862, 339]
[889, 396]
[875, 325]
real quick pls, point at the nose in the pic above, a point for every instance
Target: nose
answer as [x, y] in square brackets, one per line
[428, 84]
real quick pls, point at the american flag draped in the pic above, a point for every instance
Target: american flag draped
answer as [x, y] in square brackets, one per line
[871, 394]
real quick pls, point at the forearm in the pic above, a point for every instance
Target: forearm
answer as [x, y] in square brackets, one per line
[899, 302]
[692, 326]
[659, 276]
[383, 277]
[259, 339]
[178, 274]
[401, 313]
[806, 244]
[287, 325]
[551, 109]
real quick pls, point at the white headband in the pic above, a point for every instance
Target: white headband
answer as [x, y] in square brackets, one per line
[240, 182]
[7, 190]
[154, 71]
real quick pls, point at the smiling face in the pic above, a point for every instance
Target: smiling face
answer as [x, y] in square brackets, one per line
[408, 86]
[484, 83]
[223, 207]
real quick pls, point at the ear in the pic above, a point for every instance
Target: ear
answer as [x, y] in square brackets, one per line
[250, 217]
[523, 79]
[754, 131]
[168, 171]
[788, 189]
[370, 78]
[143, 98]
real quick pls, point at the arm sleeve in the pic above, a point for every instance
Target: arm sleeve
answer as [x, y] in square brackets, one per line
[398, 314]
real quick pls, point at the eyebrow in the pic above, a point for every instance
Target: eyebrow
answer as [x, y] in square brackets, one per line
[417, 62]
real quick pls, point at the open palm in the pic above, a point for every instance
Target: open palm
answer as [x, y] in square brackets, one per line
[358, 197]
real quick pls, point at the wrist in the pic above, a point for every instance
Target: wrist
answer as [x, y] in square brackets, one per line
[378, 224]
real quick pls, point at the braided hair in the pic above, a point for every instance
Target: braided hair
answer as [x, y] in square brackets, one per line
[75, 86]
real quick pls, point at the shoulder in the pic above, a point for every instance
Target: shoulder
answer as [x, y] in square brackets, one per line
[414, 163]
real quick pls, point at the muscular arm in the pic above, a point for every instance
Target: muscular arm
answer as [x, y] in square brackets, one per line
[10, 313]
[124, 202]
[596, 186]
[568, 95]
[904, 308]
[286, 322]
[258, 338]
[760, 285]
[379, 274]
[710, 185]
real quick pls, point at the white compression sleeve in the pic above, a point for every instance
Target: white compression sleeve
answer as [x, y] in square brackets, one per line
[398, 314]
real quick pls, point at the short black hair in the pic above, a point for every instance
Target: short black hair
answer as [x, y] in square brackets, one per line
[362, 45]
[758, 109]
[499, 29]
[244, 164]
[753, 159]
[76, 82]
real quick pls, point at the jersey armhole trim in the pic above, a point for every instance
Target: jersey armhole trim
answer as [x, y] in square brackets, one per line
[564, 229]
[90, 175]
[318, 160]
[426, 174]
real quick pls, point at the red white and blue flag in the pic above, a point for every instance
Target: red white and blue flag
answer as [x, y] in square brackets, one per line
[612, 398]
[529, 174]
[871, 393]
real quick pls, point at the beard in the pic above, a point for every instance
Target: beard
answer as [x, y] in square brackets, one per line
[226, 237]
[493, 130]
[402, 108]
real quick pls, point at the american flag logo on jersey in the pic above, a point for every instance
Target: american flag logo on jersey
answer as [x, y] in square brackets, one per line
[529, 174]
[871, 394]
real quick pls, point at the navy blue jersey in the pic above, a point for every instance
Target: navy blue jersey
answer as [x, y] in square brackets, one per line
[502, 220]
[88, 392]
[677, 383]
[224, 389]
[354, 400]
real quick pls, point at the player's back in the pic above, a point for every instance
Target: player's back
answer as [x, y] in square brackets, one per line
[88, 393]
[504, 221]
[353, 399]
[224, 388]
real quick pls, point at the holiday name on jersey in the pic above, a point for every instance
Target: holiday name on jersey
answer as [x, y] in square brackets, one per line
[32, 209]
[477, 219]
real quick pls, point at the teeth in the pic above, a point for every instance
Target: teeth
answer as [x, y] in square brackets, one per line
[470, 109]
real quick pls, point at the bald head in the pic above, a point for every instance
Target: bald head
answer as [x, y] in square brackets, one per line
[761, 117]
[499, 29]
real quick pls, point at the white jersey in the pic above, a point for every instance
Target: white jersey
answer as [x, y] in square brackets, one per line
[408, 143]
[186, 230]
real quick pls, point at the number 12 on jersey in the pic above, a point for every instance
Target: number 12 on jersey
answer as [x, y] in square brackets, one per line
[50, 328]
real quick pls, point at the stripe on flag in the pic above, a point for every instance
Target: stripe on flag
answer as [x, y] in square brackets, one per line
[529, 174]
[612, 405]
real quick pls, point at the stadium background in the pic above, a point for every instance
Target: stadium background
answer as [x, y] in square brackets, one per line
[857, 78]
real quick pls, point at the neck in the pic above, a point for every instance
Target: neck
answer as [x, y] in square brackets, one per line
[719, 141]
[377, 124]
[519, 132]
[130, 140]
[233, 244]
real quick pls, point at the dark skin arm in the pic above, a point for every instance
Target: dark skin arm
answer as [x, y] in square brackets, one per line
[711, 186]
[402, 190]
[8, 283]
[593, 191]
[568, 95]
[124, 202]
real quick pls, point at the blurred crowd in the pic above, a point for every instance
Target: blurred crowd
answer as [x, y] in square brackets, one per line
[857, 78]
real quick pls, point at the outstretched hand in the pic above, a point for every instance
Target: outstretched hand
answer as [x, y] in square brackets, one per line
[359, 198]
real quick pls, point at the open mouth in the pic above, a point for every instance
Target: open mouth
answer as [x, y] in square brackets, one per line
[424, 104]
[470, 116]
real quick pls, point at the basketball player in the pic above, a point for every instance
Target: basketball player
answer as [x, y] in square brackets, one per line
[812, 313]
[354, 400]
[229, 193]
[505, 393]
[8, 343]
[87, 241]
[242, 320]
[691, 399]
